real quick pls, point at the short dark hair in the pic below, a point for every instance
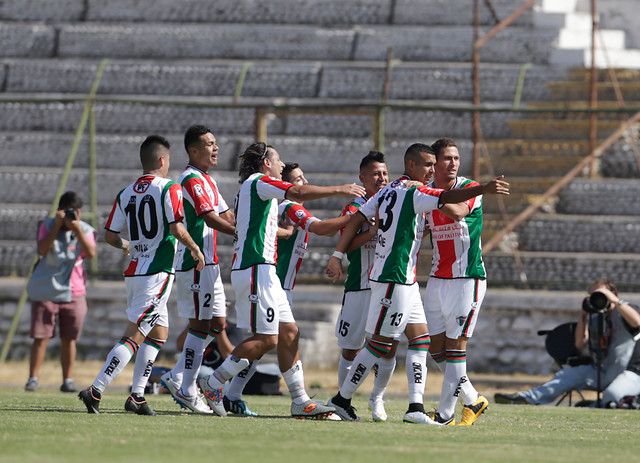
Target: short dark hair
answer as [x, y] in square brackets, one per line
[288, 168]
[70, 200]
[251, 159]
[371, 157]
[606, 282]
[193, 134]
[414, 151]
[441, 144]
[150, 152]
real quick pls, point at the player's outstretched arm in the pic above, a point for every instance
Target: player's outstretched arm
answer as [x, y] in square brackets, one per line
[180, 232]
[328, 227]
[497, 186]
[301, 193]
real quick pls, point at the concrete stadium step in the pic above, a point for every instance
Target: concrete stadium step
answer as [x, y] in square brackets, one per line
[553, 129]
[127, 118]
[564, 270]
[523, 192]
[600, 197]
[579, 90]
[571, 233]
[140, 40]
[326, 12]
[291, 79]
[604, 75]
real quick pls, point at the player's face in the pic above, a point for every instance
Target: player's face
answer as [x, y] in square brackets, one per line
[373, 177]
[423, 168]
[447, 165]
[273, 165]
[296, 176]
[205, 153]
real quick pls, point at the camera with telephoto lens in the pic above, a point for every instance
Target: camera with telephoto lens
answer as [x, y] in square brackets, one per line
[70, 214]
[595, 303]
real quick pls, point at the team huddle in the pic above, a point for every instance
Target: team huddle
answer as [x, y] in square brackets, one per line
[381, 232]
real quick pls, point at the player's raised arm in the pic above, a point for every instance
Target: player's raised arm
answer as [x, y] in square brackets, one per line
[334, 267]
[497, 186]
[301, 193]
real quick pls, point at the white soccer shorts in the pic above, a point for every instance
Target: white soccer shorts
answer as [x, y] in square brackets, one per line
[350, 326]
[201, 294]
[147, 297]
[392, 307]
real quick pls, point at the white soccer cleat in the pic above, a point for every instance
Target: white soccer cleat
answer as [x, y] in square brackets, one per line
[378, 413]
[213, 397]
[170, 384]
[418, 418]
[194, 403]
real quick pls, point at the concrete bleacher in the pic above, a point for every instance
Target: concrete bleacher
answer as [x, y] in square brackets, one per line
[194, 52]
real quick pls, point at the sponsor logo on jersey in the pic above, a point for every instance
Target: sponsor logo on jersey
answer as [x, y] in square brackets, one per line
[253, 298]
[155, 301]
[195, 287]
[300, 214]
[205, 207]
[141, 186]
[386, 302]
[197, 189]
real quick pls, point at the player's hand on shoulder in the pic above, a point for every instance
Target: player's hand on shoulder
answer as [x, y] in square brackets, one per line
[351, 189]
[497, 186]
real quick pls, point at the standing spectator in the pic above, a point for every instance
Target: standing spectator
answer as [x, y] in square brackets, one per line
[151, 210]
[57, 287]
[395, 306]
[201, 297]
[260, 299]
[456, 286]
[357, 291]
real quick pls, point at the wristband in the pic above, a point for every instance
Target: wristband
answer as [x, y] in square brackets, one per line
[621, 301]
[338, 254]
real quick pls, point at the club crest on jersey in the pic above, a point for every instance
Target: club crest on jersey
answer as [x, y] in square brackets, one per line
[197, 189]
[386, 302]
[461, 320]
[141, 186]
[253, 298]
[195, 287]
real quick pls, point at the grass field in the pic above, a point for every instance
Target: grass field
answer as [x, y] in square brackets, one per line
[48, 426]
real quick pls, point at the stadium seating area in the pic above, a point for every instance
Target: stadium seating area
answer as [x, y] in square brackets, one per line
[193, 53]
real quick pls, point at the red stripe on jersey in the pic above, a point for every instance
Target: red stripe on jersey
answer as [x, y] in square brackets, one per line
[201, 201]
[298, 215]
[276, 182]
[175, 195]
[440, 219]
[131, 269]
[446, 248]
[214, 189]
[430, 191]
[113, 210]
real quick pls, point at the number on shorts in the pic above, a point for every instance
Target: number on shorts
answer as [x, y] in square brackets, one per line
[343, 329]
[207, 300]
[271, 314]
[396, 319]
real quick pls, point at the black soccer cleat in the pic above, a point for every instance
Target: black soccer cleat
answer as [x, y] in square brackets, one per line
[91, 399]
[138, 405]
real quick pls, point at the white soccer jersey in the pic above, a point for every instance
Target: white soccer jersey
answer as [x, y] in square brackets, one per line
[291, 251]
[400, 229]
[457, 247]
[360, 259]
[256, 213]
[147, 207]
[201, 195]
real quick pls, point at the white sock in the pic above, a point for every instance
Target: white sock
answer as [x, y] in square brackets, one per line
[362, 365]
[386, 367]
[416, 367]
[240, 380]
[231, 366]
[294, 378]
[145, 358]
[455, 372]
[117, 359]
[344, 366]
[192, 353]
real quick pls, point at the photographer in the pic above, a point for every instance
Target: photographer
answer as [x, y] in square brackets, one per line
[620, 323]
[57, 288]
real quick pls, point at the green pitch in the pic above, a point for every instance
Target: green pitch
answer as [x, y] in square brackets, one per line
[48, 426]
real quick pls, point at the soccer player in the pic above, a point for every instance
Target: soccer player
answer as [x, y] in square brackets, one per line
[395, 306]
[456, 286]
[201, 297]
[355, 303]
[151, 210]
[260, 298]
